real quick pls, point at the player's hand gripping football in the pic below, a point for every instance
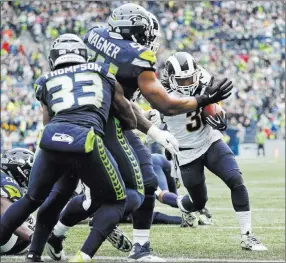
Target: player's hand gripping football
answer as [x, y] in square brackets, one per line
[218, 122]
[215, 93]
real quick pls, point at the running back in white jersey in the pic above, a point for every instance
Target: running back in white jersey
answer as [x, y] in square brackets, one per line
[194, 136]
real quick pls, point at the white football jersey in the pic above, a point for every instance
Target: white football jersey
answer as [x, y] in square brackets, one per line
[193, 134]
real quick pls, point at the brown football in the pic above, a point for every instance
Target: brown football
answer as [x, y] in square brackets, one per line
[211, 110]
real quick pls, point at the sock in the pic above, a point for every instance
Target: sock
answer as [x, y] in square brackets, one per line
[244, 219]
[160, 218]
[142, 217]
[85, 257]
[141, 236]
[60, 229]
[170, 199]
[104, 221]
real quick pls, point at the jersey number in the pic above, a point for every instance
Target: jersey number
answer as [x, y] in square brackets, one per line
[194, 120]
[64, 98]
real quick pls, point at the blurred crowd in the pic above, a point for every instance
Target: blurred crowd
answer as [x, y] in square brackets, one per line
[244, 41]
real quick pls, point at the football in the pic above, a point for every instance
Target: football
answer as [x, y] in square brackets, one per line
[211, 110]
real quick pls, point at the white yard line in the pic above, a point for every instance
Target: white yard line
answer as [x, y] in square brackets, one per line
[170, 259]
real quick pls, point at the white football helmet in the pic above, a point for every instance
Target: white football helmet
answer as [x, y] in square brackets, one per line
[182, 73]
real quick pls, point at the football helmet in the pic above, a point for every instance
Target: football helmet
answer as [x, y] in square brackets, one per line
[18, 163]
[132, 22]
[182, 73]
[67, 49]
[155, 34]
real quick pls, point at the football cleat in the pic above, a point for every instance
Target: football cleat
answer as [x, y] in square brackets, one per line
[54, 247]
[120, 240]
[32, 257]
[80, 257]
[249, 242]
[205, 217]
[143, 254]
[189, 218]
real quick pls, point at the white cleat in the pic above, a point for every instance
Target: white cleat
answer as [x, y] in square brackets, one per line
[249, 242]
[205, 217]
[191, 218]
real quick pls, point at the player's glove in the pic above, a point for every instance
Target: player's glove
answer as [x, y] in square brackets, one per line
[155, 117]
[165, 138]
[217, 122]
[215, 93]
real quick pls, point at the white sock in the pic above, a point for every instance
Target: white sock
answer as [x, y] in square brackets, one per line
[85, 257]
[141, 236]
[60, 229]
[244, 220]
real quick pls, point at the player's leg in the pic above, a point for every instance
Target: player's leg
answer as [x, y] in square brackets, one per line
[49, 213]
[194, 180]
[142, 217]
[127, 161]
[43, 176]
[101, 175]
[162, 169]
[220, 160]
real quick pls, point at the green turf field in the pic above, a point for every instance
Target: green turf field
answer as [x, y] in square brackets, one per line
[265, 180]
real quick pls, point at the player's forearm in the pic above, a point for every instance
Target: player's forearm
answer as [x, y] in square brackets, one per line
[177, 106]
[143, 124]
[126, 115]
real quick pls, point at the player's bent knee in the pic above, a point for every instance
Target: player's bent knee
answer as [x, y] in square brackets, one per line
[235, 179]
[33, 200]
[239, 194]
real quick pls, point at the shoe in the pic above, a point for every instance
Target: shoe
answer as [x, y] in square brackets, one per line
[205, 217]
[80, 257]
[143, 254]
[32, 257]
[54, 247]
[249, 242]
[119, 240]
[189, 218]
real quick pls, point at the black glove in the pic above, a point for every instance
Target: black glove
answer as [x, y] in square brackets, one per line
[214, 94]
[217, 122]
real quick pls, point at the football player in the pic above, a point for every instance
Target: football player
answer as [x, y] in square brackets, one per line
[16, 166]
[201, 146]
[76, 97]
[125, 46]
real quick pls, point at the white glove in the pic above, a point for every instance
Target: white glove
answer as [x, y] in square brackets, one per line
[165, 138]
[154, 117]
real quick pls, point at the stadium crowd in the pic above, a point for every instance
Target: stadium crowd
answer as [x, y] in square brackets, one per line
[244, 41]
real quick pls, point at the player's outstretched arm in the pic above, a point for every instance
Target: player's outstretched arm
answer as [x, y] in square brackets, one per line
[123, 108]
[24, 232]
[157, 96]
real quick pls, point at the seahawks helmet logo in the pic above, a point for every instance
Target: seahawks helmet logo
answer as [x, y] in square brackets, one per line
[138, 20]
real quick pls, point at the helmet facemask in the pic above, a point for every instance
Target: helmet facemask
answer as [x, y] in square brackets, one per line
[154, 40]
[186, 83]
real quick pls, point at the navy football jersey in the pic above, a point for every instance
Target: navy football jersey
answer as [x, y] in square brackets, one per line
[79, 94]
[10, 189]
[127, 59]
